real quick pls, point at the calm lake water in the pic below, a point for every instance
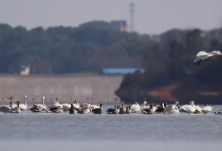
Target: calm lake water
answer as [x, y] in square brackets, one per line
[41, 131]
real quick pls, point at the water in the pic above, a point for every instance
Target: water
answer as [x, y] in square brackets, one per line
[45, 132]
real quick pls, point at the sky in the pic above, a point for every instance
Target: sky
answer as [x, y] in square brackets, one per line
[151, 16]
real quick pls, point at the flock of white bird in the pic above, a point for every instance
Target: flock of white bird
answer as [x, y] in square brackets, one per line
[164, 108]
[55, 107]
[85, 108]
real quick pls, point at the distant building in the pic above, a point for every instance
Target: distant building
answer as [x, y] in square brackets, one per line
[25, 70]
[120, 25]
[121, 70]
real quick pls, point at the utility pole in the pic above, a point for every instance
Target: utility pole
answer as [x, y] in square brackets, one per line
[132, 10]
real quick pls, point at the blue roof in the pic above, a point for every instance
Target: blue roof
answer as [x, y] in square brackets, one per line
[120, 70]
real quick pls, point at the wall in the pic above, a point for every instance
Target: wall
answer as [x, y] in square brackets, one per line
[83, 88]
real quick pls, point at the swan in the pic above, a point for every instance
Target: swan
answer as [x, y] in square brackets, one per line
[98, 110]
[58, 109]
[56, 104]
[198, 109]
[122, 110]
[206, 109]
[83, 110]
[35, 108]
[39, 107]
[172, 109]
[66, 106]
[188, 108]
[76, 105]
[16, 109]
[6, 109]
[114, 110]
[13, 105]
[201, 55]
[128, 110]
[149, 110]
[23, 107]
[135, 108]
[9, 109]
[85, 105]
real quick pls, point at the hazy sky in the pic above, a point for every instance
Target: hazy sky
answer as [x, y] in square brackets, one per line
[151, 16]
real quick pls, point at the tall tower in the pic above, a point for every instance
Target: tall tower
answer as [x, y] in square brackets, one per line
[132, 10]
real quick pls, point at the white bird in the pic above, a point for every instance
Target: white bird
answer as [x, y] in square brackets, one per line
[85, 105]
[206, 109]
[6, 109]
[122, 109]
[201, 55]
[58, 109]
[172, 109]
[198, 109]
[23, 107]
[135, 108]
[9, 109]
[56, 104]
[16, 109]
[188, 108]
[13, 105]
[150, 110]
[39, 107]
[76, 105]
[84, 111]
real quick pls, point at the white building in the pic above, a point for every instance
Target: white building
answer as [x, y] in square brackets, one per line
[25, 70]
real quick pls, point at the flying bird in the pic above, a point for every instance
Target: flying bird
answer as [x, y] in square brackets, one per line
[201, 55]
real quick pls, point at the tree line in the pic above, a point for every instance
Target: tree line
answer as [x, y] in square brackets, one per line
[62, 50]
